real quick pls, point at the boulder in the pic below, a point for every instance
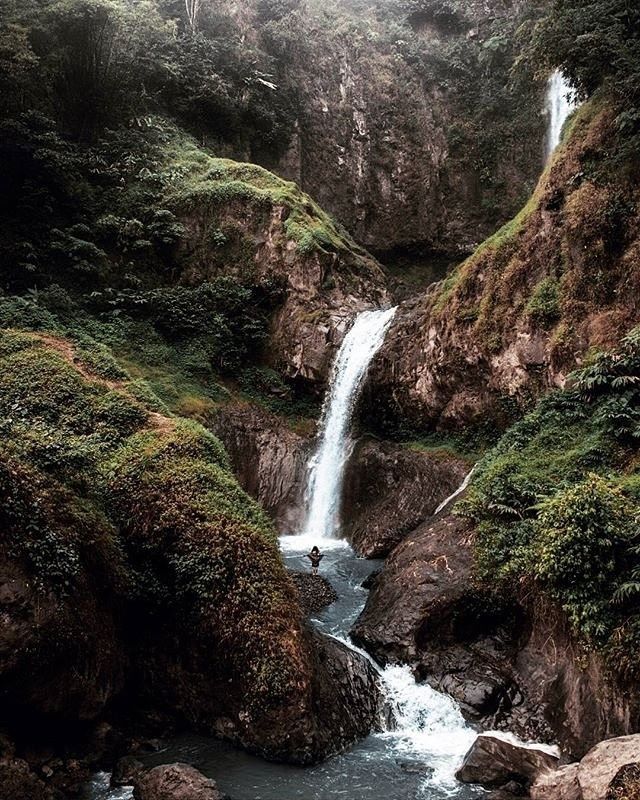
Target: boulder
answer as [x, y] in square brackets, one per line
[390, 489]
[602, 763]
[175, 782]
[346, 694]
[19, 782]
[495, 761]
[315, 591]
[561, 784]
[126, 771]
[609, 767]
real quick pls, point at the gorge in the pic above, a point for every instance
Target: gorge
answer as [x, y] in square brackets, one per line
[358, 274]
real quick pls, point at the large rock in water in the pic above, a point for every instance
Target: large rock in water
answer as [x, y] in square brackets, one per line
[390, 489]
[593, 776]
[494, 762]
[508, 665]
[175, 782]
[315, 591]
[425, 609]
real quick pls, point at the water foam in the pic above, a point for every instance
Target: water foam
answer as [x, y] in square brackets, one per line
[326, 467]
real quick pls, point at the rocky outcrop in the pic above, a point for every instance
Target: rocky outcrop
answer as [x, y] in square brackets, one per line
[600, 775]
[315, 591]
[494, 762]
[175, 782]
[346, 694]
[509, 664]
[274, 236]
[518, 315]
[389, 490]
[425, 609]
[268, 459]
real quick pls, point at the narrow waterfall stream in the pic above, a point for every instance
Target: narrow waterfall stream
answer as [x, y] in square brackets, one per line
[425, 736]
[560, 104]
[326, 468]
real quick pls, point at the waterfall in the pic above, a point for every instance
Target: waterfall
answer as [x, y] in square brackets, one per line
[326, 467]
[559, 105]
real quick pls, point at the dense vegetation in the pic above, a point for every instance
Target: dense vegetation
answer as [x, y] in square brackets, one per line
[99, 487]
[557, 504]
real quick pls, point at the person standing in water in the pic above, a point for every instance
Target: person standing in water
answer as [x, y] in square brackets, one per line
[315, 557]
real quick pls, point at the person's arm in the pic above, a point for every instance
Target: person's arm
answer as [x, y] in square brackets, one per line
[321, 556]
[309, 556]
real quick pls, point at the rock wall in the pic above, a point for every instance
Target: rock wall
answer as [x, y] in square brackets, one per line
[397, 145]
[520, 314]
[268, 458]
[389, 489]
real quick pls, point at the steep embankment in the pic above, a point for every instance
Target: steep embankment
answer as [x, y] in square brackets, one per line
[133, 566]
[522, 312]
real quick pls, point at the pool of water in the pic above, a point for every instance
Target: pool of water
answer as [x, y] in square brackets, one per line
[415, 759]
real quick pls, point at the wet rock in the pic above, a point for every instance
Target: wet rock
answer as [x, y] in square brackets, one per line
[494, 762]
[315, 591]
[126, 771]
[390, 489]
[597, 776]
[269, 460]
[346, 693]
[19, 782]
[175, 782]
[424, 609]
[369, 582]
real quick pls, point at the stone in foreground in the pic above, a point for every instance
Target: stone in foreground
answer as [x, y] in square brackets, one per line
[494, 762]
[175, 782]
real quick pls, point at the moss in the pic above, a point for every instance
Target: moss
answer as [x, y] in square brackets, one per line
[84, 464]
[544, 303]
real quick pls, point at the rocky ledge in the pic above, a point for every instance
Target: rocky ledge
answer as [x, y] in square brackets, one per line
[510, 665]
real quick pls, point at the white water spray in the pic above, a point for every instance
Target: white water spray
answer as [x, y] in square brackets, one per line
[560, 104]
[326, 467]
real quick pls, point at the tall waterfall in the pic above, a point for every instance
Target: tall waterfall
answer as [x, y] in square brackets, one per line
[559, 105]
[326, 467]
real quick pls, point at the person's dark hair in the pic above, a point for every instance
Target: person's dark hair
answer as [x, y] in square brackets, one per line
[314, 549]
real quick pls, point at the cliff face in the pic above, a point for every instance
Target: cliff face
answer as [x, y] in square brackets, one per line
[407, 126]
[516, 317]
[243, 222]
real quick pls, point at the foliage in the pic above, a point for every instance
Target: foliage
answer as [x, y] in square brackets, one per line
[556, 502]
[86, 467]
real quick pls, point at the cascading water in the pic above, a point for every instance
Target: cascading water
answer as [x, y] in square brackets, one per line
[326, 468]
[560, 104]
[421, 724]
